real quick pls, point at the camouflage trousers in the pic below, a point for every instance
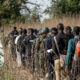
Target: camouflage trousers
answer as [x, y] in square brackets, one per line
[39, 64]
[50, 64]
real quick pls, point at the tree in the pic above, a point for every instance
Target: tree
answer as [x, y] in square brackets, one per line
[64, 7]
[35, 17]
[10, 10]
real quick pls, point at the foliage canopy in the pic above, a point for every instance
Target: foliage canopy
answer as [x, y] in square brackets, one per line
[64, 7]
[10, 10]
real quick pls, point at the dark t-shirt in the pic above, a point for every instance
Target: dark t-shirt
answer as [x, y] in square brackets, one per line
[28, 41]
[61, 41]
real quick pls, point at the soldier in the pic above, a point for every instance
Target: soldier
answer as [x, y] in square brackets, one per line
[35, 56]
[40, 56]
[51, 56]
[35, 53]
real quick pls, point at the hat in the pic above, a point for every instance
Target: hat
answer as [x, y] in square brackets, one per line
[45, 30]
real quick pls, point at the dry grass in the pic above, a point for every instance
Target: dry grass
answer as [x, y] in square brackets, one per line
[10, 71]
[72, 21]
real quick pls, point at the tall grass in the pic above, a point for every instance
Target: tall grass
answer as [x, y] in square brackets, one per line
[67, 21]
[10, 71]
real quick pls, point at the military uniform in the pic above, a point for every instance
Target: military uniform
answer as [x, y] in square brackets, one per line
[40, 55]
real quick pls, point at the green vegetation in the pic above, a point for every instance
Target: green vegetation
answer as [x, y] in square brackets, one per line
[10, 11]
[64, 7]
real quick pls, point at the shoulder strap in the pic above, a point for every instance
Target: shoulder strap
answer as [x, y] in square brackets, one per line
[56, 44]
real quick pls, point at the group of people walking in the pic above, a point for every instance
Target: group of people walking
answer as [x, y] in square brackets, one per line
[52, 53]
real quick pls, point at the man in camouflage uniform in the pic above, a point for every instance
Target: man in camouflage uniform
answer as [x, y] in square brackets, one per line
[40, 56]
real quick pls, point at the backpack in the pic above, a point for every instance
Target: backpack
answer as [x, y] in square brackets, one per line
[77, 51]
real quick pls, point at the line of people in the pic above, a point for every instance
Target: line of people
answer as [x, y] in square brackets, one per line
[52, 53]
